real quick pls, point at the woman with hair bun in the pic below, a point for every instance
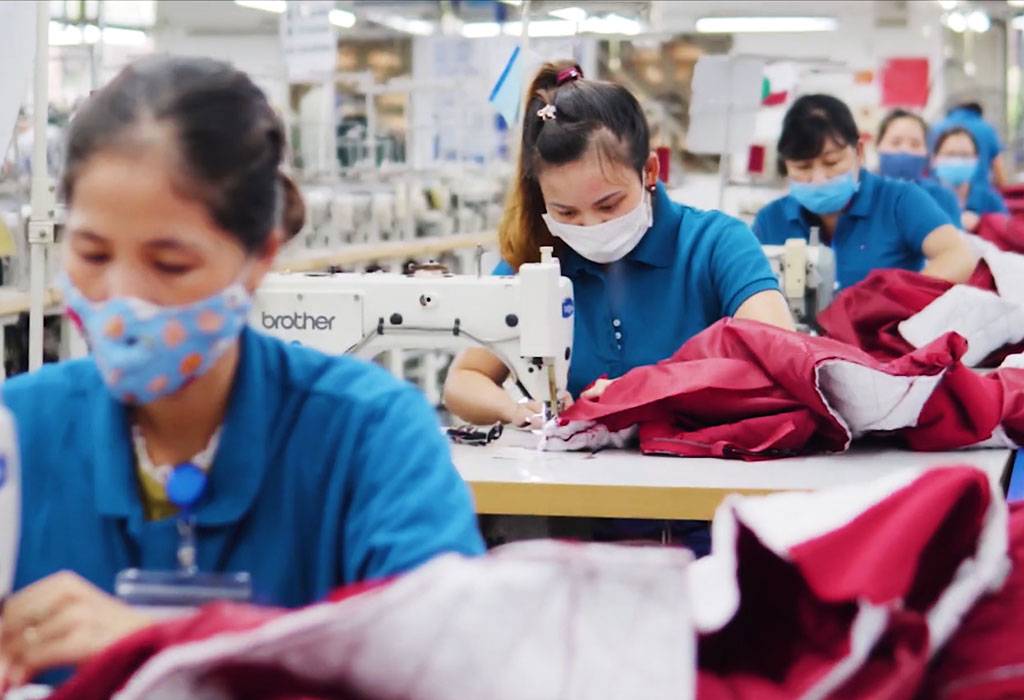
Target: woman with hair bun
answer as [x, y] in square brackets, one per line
[186, 442]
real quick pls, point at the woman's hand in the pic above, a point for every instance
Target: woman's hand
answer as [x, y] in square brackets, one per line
[530, 415]
[60, 621]
[597, 390]
[969, 220]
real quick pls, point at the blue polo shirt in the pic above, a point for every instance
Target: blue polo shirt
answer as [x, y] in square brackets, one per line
[329, 471]
[883, 226]
[691, 268]
[944, 197]
[983, 199]
[986, 136]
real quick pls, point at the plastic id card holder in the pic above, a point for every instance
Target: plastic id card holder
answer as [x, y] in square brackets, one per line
[175, 592]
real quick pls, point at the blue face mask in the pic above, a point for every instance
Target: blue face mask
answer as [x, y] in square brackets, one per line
[902, 166]
[825, 197]
[954, 170]
[145, 351]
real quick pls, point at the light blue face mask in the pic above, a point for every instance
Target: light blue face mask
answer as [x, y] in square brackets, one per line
[954, 170]
[825, 197]
[144, 351]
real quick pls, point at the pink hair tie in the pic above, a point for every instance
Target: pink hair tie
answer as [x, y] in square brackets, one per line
[568, 75]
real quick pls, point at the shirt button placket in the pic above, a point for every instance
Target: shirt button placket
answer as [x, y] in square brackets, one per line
[617, 333]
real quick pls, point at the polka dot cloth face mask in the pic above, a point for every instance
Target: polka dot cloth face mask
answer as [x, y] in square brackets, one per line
[145, 351]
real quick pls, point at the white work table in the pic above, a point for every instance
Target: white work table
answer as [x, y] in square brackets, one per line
[510, 477]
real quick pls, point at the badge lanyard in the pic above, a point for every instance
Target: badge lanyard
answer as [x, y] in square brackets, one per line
[169, 592]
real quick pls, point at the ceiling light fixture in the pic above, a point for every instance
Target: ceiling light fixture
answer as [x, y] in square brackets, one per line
[745, 25]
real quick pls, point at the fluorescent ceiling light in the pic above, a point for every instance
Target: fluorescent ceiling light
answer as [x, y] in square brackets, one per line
[957, 21]
[1015, 3]
[742, 25]
[419, 27]
[61, 34]
[611, 24]
[275, 6]
[481, 30]
[570, 14]
[948, 5]
[978, 21]
[342, 18]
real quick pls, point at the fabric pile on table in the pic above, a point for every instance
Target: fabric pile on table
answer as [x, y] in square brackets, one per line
[847, 593]
[746, 390]
[892, 312]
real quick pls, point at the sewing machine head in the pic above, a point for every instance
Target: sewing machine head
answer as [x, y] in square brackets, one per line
[526, 320]
[807, 276]
[10, 501]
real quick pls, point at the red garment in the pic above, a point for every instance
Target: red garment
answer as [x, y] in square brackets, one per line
[985, 658]
[880, 573]
[748, 390]
[867, 315]
[1004, 230]
[100, 680]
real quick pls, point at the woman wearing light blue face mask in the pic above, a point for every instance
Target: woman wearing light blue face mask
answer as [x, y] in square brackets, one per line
[870, 222]
[955, 165]
[289, 469]
[647, 272]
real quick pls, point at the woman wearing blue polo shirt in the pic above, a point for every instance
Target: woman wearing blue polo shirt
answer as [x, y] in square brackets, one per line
[647, 273]
[956, 164]
[319, 471]
[902, 147]
[869, 221]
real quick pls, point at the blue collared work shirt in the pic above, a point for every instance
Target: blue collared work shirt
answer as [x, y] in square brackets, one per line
[883, 226]
[944, 197]
[690, 269]
[329, 471]
[983, 199]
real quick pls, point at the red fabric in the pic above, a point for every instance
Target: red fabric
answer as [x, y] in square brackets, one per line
[1007, 232]
[867, 315]
[985, 658]
[748, 390]
[794, 622]
[102, 677]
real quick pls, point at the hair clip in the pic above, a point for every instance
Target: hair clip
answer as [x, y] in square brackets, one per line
[547, 113]
[568, 75]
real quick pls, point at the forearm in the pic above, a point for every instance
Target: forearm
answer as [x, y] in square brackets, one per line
[475, 398]
[953, 266]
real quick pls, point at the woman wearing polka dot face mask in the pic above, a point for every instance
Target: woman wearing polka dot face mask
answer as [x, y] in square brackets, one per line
[187, 444]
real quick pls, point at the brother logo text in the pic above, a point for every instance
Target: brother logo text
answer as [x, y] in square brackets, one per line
[297, 322]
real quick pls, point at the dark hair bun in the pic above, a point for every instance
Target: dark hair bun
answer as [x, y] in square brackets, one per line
[293, 214]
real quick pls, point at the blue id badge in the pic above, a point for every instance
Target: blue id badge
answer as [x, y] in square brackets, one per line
[174, 592]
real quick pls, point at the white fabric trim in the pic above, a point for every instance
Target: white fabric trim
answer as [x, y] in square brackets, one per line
[870, 400]
[983, 573]
[983, 318]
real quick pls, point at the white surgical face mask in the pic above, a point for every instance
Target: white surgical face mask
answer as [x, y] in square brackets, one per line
[609, 241]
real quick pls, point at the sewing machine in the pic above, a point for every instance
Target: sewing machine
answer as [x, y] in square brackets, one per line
[807, 276]
[526, 320]
[10, 500]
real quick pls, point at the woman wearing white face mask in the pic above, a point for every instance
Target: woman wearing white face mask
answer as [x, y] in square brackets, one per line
[647, 273]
